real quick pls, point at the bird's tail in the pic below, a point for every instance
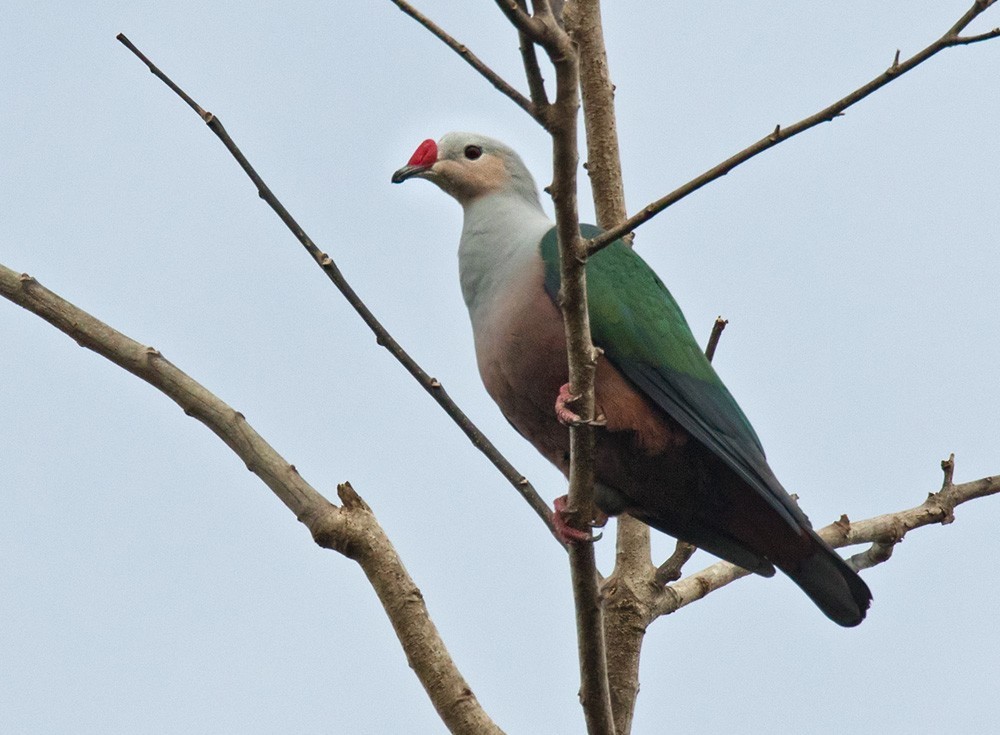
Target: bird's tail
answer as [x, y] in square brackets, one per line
[835, 588]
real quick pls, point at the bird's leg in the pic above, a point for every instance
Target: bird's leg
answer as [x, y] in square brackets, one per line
[568, 533]
[566, 415]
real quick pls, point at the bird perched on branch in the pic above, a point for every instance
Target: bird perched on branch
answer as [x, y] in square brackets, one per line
[673, 448]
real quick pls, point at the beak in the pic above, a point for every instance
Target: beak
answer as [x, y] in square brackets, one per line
[420, 162]
[408, 172]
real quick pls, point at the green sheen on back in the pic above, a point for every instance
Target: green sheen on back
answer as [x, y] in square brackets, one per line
[642, 330]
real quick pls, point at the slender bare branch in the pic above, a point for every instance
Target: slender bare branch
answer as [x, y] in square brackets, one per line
[670, 570]
[713, 338]
[779, 134]
[966, 40]
[521, 19]
[629, 582]
[544, 29]
[970, 15]
[351, 529]
[598, 94]
[533, 73]
[382, 336]
[884, 531]
[594, 692]
[472, 60]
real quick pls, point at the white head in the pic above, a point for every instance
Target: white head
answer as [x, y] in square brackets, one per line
[470, 166]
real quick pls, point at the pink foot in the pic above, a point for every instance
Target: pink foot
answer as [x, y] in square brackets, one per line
[568, 417]
[567, 533]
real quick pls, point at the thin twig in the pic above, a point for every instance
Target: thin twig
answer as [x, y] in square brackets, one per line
[779, 134]
[521, 20]
[966, 40]
[670, 570]
[533, 73]
[713, 338]
[430, 384]
[472, 60]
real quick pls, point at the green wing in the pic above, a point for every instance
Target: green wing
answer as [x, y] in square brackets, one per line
[642, 331]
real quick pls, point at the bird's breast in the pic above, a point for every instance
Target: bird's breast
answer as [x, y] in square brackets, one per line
[521, 354]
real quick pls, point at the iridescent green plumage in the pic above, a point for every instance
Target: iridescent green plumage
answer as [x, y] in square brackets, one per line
[719, 494]
[640, 327]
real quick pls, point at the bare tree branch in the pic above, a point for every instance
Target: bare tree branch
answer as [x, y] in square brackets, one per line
[350, 529]
[382, 336]
[670, 570]
[544, 29]
[629, 581]
[598, 93]
[779, 134]
[713, 338]
[522, 20]
[533, 73]
[884, 532]
[472, 60]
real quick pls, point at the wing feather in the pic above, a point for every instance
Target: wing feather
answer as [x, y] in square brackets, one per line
[643, 332]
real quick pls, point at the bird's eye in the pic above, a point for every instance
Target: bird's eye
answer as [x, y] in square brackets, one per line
[472, 152]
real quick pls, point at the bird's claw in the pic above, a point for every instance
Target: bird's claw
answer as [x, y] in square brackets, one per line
[569, 534]
[567, 417]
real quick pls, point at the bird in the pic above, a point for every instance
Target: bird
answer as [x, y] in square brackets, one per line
[672, 447]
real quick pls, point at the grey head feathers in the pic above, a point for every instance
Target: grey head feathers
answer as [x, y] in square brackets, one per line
[478, 165]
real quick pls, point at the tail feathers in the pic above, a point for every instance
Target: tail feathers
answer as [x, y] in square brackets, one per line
[835, 588]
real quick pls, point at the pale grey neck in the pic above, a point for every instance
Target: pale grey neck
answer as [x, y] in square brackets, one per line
[500, 237]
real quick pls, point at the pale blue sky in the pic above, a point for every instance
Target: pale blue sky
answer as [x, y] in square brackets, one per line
[150, 584]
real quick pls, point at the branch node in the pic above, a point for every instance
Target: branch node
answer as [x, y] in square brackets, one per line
[713, 338]
[670, 570]
[948, 466]
[843, 524]
[25, 278]
[350, 498]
